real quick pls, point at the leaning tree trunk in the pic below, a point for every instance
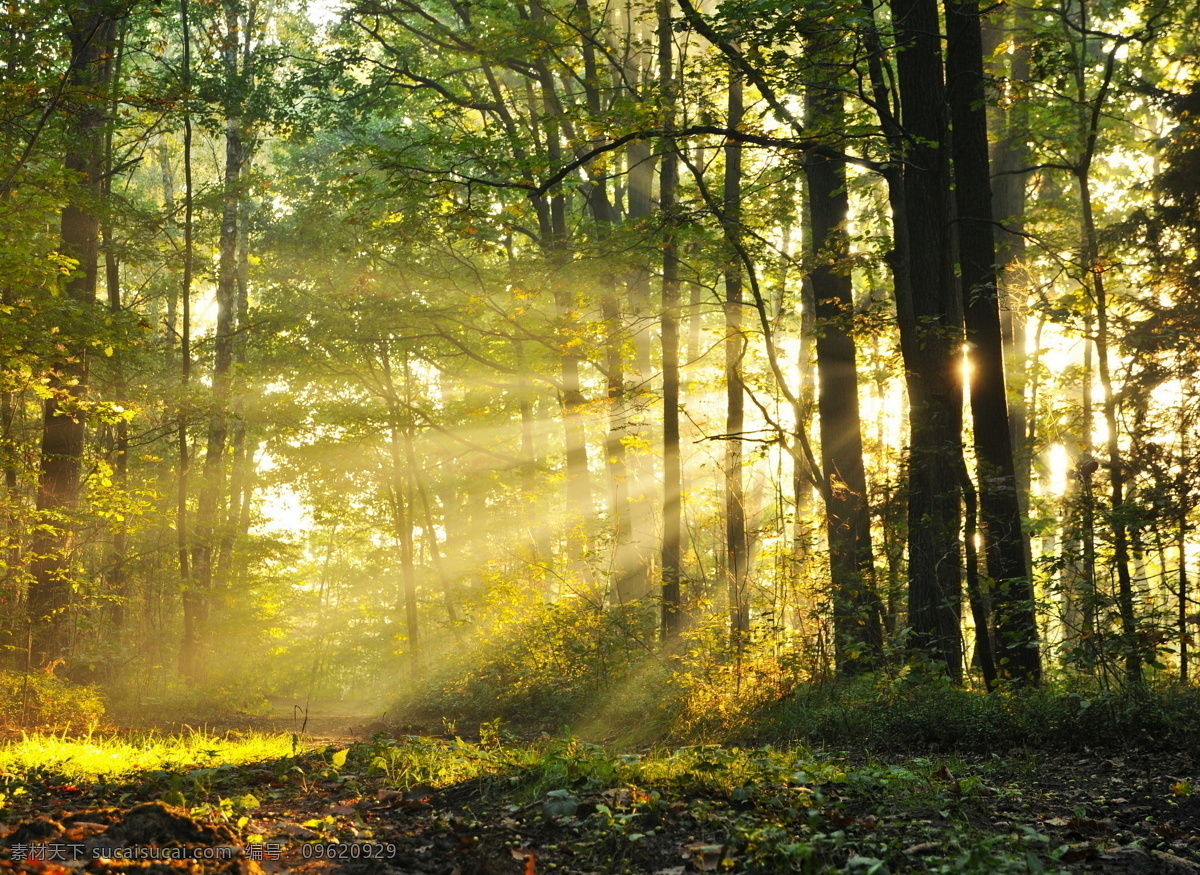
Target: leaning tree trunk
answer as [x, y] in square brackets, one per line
[92, 32]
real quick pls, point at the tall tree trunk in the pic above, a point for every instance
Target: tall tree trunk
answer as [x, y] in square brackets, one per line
[641, 371]
[92, 32]
[672, 470]
[857, 609]
[1009, 158]
[212, 480]
[1116, 474]
[930, 324]
[1016, 626]
[114, 562]
[627, 578]
[240, 472]
[188, 643]
[1092, 276]
[571, 398]
[736, 552]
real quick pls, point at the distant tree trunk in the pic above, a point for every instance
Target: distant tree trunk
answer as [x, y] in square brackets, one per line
[736, 551]
[641, 466]
[1092, 277]
[802, 478]
[240, 471]
[208, 511]
[114, 562]
[579, 487]
[10, 560]
[1018, 655]
[1181, 549]
[400, 498]
[627, 582]
[1116, 473]
[930, 322]
[1009, 157]
[242, 461]
[857, 609]
[188, 644]
[92, 32]
[672, 470]
[429, 530]
[166, 174]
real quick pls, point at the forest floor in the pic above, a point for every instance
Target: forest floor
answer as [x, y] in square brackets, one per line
[248, 803]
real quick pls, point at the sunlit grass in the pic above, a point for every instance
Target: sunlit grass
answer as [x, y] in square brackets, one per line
[527, 770]
[95, 757]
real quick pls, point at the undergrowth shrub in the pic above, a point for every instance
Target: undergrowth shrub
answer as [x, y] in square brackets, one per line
[601, 672]
[172, 700]
[542, 672]
[879, 714]
[42, 700]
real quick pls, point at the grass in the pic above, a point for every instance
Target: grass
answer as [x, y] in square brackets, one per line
[96, 757]
[589, 807]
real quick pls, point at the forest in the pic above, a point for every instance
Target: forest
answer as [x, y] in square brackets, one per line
[608, 408]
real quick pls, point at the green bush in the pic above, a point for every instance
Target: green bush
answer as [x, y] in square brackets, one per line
[42, 700]
[928, 714]
[544, 672]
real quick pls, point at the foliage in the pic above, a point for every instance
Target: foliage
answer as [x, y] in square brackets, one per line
[912, 714]
[38, 699]
[561, 663]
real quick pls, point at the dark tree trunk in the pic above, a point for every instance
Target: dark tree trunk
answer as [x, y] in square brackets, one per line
[857, 610]
[1182, 601]
[92, 33]
[672, 470]
[930, 323]
[1016, 626]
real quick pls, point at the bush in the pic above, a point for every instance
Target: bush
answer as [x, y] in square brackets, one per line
[42, 700]
[543, 672]
[931, 715]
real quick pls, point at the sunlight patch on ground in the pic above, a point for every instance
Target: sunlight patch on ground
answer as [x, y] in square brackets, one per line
[96, 757]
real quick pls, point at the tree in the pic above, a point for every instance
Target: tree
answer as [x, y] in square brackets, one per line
[91, 30]
[672, 558]
[857, 611]
[929, 311]
[1016, 626]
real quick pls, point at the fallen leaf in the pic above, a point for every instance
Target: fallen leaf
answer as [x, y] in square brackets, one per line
[706, 857]
[294, 830]
[922, 848]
